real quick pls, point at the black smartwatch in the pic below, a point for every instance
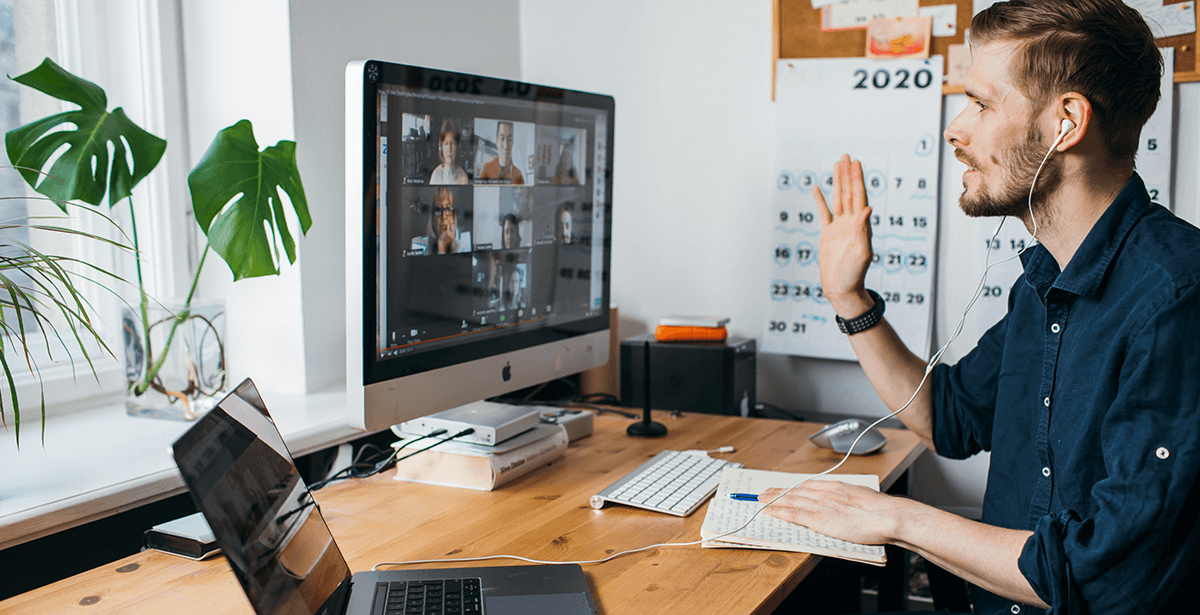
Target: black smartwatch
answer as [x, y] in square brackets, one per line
[864, 322]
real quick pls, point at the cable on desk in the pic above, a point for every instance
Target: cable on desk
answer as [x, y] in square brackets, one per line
[371, 469]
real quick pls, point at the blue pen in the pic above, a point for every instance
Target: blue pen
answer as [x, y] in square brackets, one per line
[744, 497]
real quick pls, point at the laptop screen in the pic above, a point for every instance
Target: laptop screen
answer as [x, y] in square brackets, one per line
[243, 479]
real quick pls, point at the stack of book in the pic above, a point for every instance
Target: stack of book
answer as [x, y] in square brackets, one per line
[477, 466]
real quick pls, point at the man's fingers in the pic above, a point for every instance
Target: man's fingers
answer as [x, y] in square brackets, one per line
[836, 190]
[858, 190]
[822, 209]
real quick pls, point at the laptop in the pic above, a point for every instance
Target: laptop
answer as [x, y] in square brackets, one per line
[243, 479]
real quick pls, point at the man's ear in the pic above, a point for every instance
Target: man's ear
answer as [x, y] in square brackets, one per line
[1078, 109]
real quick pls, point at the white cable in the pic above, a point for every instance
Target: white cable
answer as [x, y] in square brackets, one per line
[933, 360]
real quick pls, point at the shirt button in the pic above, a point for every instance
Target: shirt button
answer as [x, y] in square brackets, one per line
[1046, 402]
[1055, 328]
[1162, 452]
[1046, 472]
[1016, 608]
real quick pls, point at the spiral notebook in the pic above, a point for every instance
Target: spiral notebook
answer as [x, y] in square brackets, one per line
[766, 532]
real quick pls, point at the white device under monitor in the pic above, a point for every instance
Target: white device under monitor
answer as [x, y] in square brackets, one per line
[492, 423]
[478, 224]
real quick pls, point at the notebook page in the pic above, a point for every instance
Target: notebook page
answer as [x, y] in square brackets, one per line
[725, 514]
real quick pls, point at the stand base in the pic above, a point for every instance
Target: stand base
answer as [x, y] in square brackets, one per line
[647, 429]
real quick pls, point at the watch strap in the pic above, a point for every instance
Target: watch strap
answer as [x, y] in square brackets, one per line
[864, 322]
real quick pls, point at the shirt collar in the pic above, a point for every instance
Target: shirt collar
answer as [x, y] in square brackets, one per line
[1085, 272]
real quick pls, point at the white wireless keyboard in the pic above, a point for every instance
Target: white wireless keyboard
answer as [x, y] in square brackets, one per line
[672, 482]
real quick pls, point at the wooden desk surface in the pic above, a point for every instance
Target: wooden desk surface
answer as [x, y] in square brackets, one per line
[544, 515]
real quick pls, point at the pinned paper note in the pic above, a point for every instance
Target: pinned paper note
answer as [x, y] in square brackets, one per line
[958, 64]
[945, 18]
[856, 14]
[1170, 20]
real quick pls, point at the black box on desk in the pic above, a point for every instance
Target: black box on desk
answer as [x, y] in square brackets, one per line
[714, 378]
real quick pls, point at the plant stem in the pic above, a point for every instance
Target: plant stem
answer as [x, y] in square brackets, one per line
[143, 298]
[183, 314]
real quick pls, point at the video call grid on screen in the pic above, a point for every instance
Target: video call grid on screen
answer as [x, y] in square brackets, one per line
[488, 218]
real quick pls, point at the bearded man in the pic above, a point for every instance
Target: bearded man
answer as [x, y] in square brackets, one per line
[1086, 392]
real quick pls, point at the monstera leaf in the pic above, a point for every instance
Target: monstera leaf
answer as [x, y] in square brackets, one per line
[83, 171]
[235, 194]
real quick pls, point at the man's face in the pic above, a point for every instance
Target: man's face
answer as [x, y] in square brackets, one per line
[510, 234]
[504, 142]
[996, 136]
[564, 222]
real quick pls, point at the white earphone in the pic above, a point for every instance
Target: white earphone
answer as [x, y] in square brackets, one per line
[1067, 126]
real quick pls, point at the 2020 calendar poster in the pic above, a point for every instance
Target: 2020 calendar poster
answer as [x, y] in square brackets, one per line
[888, 115]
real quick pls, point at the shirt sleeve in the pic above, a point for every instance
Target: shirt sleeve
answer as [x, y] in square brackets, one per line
[964, 394]
[1133, 552]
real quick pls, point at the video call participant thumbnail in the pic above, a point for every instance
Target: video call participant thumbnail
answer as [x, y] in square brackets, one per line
[561, 155]
[504, 167]
[449, 171]
[443, 234]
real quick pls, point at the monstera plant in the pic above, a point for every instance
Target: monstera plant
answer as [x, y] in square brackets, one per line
[235, 189]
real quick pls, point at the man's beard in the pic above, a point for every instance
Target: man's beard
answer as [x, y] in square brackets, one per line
[1012, 199]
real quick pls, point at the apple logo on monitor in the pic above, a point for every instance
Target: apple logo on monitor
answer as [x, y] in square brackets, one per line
[506, 373]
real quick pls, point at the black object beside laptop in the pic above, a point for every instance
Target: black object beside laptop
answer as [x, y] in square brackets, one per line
[245, 482]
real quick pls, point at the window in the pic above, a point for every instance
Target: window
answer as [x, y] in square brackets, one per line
[121, 47]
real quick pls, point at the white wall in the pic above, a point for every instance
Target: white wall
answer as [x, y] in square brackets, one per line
[693, 179]
[459, 35]
[236, 57]
[281, 65]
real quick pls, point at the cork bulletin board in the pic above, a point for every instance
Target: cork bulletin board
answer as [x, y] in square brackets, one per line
[797, 34]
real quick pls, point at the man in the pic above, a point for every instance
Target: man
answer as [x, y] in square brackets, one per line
[1087, 391]
[502, 167]
[510, 231]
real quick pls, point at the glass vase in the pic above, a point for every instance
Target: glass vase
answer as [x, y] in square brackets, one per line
[184, 356]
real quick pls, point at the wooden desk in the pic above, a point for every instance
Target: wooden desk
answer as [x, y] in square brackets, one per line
[544, 515]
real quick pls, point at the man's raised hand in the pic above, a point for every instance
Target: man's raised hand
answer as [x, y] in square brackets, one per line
[845, 252]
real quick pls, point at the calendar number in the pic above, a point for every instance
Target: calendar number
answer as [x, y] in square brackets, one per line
[992, 291]
[1152, 144]
[1154, 195]
[898, 80]
[781, 326]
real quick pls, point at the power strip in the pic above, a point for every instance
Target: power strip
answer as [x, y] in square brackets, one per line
[577, 422]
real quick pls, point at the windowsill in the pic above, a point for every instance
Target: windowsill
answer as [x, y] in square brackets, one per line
[99, 462]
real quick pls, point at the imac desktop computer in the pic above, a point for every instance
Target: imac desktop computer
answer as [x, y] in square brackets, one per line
[478, 224]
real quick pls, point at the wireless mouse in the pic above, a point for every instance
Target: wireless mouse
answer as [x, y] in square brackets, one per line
[840, 436]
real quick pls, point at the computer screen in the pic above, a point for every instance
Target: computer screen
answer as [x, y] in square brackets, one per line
[478, 237]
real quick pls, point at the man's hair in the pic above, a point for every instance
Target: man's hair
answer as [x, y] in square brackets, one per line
[1101, 49]
[502, 123]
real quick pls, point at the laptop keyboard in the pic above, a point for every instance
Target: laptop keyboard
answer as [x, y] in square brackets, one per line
[444, 597]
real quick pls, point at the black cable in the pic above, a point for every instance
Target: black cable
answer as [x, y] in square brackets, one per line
[762, 405]
[370, 468]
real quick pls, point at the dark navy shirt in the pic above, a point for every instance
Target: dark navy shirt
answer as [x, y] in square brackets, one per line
[1087, 394]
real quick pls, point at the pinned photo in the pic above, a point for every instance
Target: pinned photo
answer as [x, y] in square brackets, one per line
[900, 37]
